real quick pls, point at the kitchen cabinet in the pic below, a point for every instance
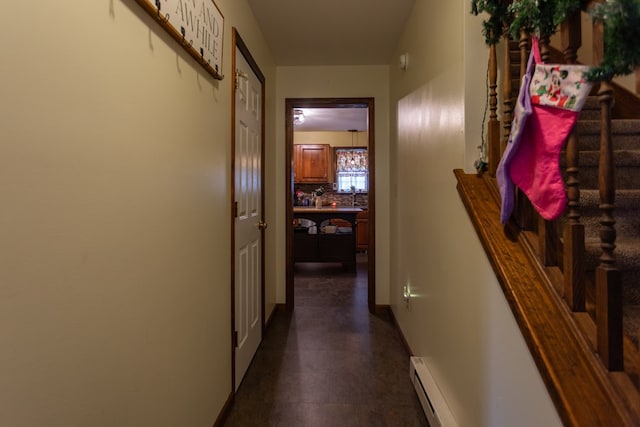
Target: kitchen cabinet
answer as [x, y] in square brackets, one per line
[311, 163]
[362, 231]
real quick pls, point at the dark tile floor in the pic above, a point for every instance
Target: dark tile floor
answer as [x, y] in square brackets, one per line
[330, 363]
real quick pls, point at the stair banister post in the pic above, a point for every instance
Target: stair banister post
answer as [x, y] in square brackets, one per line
[507, 106]
[524, 212]
[493, 130]
[525, 46]
[545, 53]
[573, 232]
[608, 281]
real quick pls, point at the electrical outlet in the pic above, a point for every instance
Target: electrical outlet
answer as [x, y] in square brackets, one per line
[406, 296]
[406, 293]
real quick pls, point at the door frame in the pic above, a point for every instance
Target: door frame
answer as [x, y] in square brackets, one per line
[238, 43]
[290, 105]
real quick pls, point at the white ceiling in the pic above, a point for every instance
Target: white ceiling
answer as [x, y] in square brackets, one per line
[333, 119]
[332, 32]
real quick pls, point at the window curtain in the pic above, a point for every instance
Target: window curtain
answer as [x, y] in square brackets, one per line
[352, 168]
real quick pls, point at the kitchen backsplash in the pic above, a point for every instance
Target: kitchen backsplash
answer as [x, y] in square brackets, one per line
[329, 196]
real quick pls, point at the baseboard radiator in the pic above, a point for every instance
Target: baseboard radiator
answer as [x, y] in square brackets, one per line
[433, 403]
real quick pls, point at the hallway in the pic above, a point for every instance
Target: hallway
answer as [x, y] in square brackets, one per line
[330, 363]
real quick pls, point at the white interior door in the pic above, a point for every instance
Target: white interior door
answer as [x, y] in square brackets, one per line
[248, 221]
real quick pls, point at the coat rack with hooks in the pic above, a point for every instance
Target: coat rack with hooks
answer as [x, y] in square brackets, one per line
[198, 26]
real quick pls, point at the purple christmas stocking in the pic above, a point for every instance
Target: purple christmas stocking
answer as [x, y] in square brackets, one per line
[521, 112]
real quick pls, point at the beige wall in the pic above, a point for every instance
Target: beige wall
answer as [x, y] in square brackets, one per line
[114, 237]
[333, 82]
[333, 138]
[458, 318]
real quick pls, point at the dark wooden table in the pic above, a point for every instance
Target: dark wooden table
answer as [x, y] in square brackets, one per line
[325, 247]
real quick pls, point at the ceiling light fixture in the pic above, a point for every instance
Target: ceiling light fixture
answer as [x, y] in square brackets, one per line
[353, 159]
[298, 117]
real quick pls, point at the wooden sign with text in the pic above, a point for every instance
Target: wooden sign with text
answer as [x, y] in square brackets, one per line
[197, 25]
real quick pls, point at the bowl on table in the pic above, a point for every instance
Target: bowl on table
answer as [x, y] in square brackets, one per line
[329, 229]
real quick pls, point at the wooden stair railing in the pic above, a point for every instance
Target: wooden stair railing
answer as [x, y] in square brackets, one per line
[559, 249]
[583, 392]
[566, 248]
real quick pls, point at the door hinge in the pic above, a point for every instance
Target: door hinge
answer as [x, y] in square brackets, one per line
[235, 209]
[234, 339]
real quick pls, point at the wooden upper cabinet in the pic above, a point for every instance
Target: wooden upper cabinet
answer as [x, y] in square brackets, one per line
[311, 163]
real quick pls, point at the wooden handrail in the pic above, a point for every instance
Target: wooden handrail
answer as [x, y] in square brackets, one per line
[562, 249]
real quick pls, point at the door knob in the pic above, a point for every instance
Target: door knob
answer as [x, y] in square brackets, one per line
[262, 225]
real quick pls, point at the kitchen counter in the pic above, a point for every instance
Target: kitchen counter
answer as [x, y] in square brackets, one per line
[326, 209]
[318, 215]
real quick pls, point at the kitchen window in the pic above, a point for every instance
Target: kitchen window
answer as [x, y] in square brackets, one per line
[352, 170]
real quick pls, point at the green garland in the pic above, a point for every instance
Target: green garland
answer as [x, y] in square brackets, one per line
[542, 17]
[532, 16]
[499, 17]
[621, 35]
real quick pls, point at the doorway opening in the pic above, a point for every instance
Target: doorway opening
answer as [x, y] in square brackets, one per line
[361, 197]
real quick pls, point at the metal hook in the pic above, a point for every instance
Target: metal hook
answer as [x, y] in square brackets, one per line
[163, 19]
[184, 41]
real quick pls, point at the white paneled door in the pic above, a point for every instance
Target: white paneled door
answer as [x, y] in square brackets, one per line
[248, 222]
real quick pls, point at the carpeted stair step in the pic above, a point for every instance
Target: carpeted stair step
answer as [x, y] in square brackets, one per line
[590, 109]
[626, 253]
[626, 212]
[631, 321]
[627, 164]
[625, 134]
[631, 287]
